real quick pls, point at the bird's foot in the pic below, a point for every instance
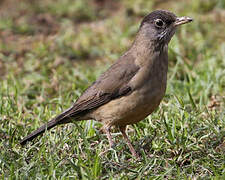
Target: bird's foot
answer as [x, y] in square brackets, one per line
[112, 145]
[135, 154]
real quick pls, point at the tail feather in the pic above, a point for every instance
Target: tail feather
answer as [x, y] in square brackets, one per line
[39, 131]
[60, 119]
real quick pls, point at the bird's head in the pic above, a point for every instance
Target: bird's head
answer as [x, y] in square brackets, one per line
[160, 25]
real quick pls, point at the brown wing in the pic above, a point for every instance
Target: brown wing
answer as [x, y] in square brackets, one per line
[110, 85]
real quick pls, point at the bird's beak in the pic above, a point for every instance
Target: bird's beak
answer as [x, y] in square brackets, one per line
[182, 20]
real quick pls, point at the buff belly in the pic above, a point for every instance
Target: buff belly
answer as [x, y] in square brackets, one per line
[128, 109]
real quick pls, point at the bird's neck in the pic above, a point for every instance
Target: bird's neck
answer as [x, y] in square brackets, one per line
[147, 51]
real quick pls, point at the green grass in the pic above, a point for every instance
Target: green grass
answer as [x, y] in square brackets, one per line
[51, 51]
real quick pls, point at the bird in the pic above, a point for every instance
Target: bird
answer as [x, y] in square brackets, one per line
[132, 88]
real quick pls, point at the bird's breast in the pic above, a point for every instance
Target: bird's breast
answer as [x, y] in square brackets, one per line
[134, 107]
[148, 88]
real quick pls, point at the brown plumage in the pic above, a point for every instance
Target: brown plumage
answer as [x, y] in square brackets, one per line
[133, 87]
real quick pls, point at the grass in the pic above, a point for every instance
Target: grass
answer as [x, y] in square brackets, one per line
[50, 52]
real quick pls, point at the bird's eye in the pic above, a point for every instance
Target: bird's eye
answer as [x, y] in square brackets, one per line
[159, 23]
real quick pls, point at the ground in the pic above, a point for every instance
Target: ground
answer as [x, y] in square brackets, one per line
[52, 50]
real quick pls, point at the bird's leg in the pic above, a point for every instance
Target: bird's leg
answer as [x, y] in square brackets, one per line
[132, 150]
[109, 136]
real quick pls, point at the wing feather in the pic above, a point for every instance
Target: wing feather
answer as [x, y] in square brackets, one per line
[112, 84]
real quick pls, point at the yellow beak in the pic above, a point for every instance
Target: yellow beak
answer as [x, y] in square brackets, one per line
[182, 20]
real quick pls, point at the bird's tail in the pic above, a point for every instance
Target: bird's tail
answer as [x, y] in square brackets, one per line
[60, 119]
